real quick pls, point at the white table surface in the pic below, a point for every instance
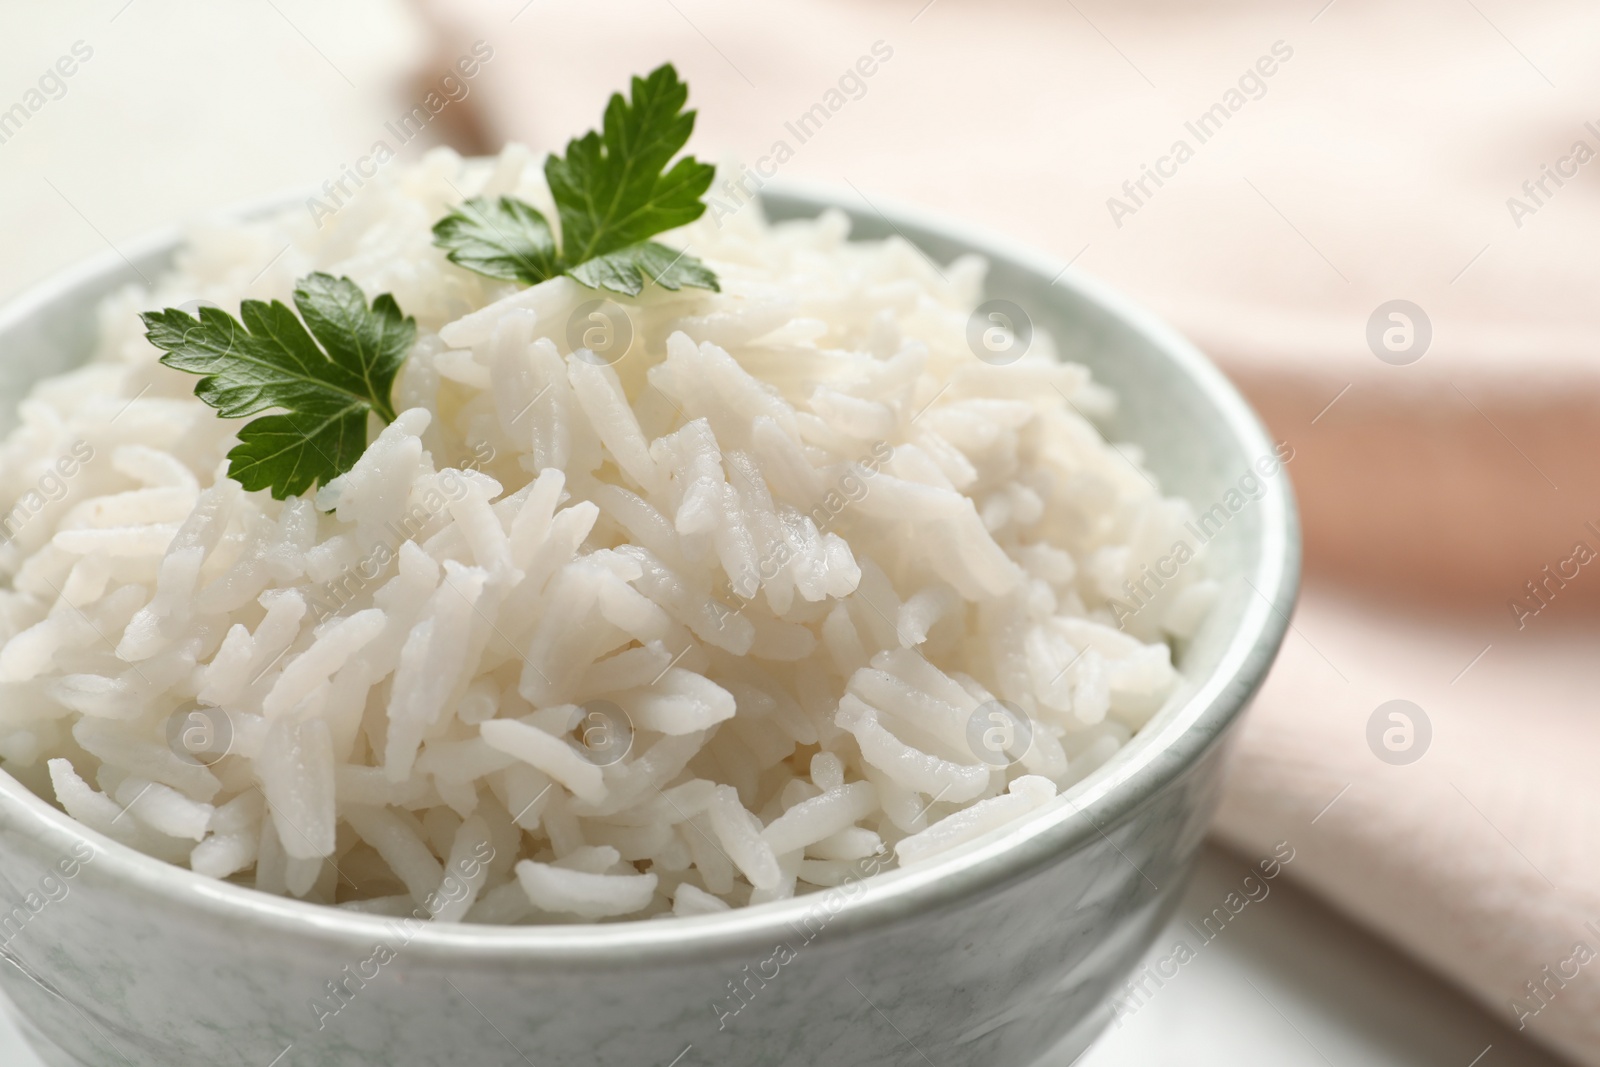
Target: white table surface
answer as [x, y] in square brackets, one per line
[1290, 983]
[184, 108]
[1286, 984]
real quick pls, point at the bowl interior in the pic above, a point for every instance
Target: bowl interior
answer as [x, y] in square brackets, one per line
[1196, 435]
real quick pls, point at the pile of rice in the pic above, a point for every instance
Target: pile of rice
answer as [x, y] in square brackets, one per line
[711, 625]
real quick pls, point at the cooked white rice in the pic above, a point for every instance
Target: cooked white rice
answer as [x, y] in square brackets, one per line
[713, 625]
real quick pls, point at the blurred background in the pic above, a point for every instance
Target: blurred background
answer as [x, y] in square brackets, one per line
[1381, 220]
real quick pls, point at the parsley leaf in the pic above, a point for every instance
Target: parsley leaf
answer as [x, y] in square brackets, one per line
[325, 381]
[502, 238]
[624, 270]
[613, 191]
[610, 190]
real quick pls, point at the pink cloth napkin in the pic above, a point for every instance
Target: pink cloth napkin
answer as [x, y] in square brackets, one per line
[1270, 176]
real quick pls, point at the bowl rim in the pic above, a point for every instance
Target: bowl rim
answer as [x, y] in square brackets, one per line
[1154, 759]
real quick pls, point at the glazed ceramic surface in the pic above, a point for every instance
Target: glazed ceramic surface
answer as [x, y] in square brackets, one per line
[999, 956]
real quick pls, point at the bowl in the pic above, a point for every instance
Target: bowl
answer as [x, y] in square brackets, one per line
[1000, 955]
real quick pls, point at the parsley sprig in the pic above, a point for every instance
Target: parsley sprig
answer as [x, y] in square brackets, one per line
[323, 374]
[613, 191]
[325, 381]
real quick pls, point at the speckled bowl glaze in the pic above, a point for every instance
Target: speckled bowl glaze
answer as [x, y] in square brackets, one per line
[999, 956]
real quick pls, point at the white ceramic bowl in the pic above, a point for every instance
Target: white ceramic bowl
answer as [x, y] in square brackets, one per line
[999, 956]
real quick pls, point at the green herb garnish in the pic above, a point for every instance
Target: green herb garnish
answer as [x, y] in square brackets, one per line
[323, 377]
[613, 191]
[269, 360]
